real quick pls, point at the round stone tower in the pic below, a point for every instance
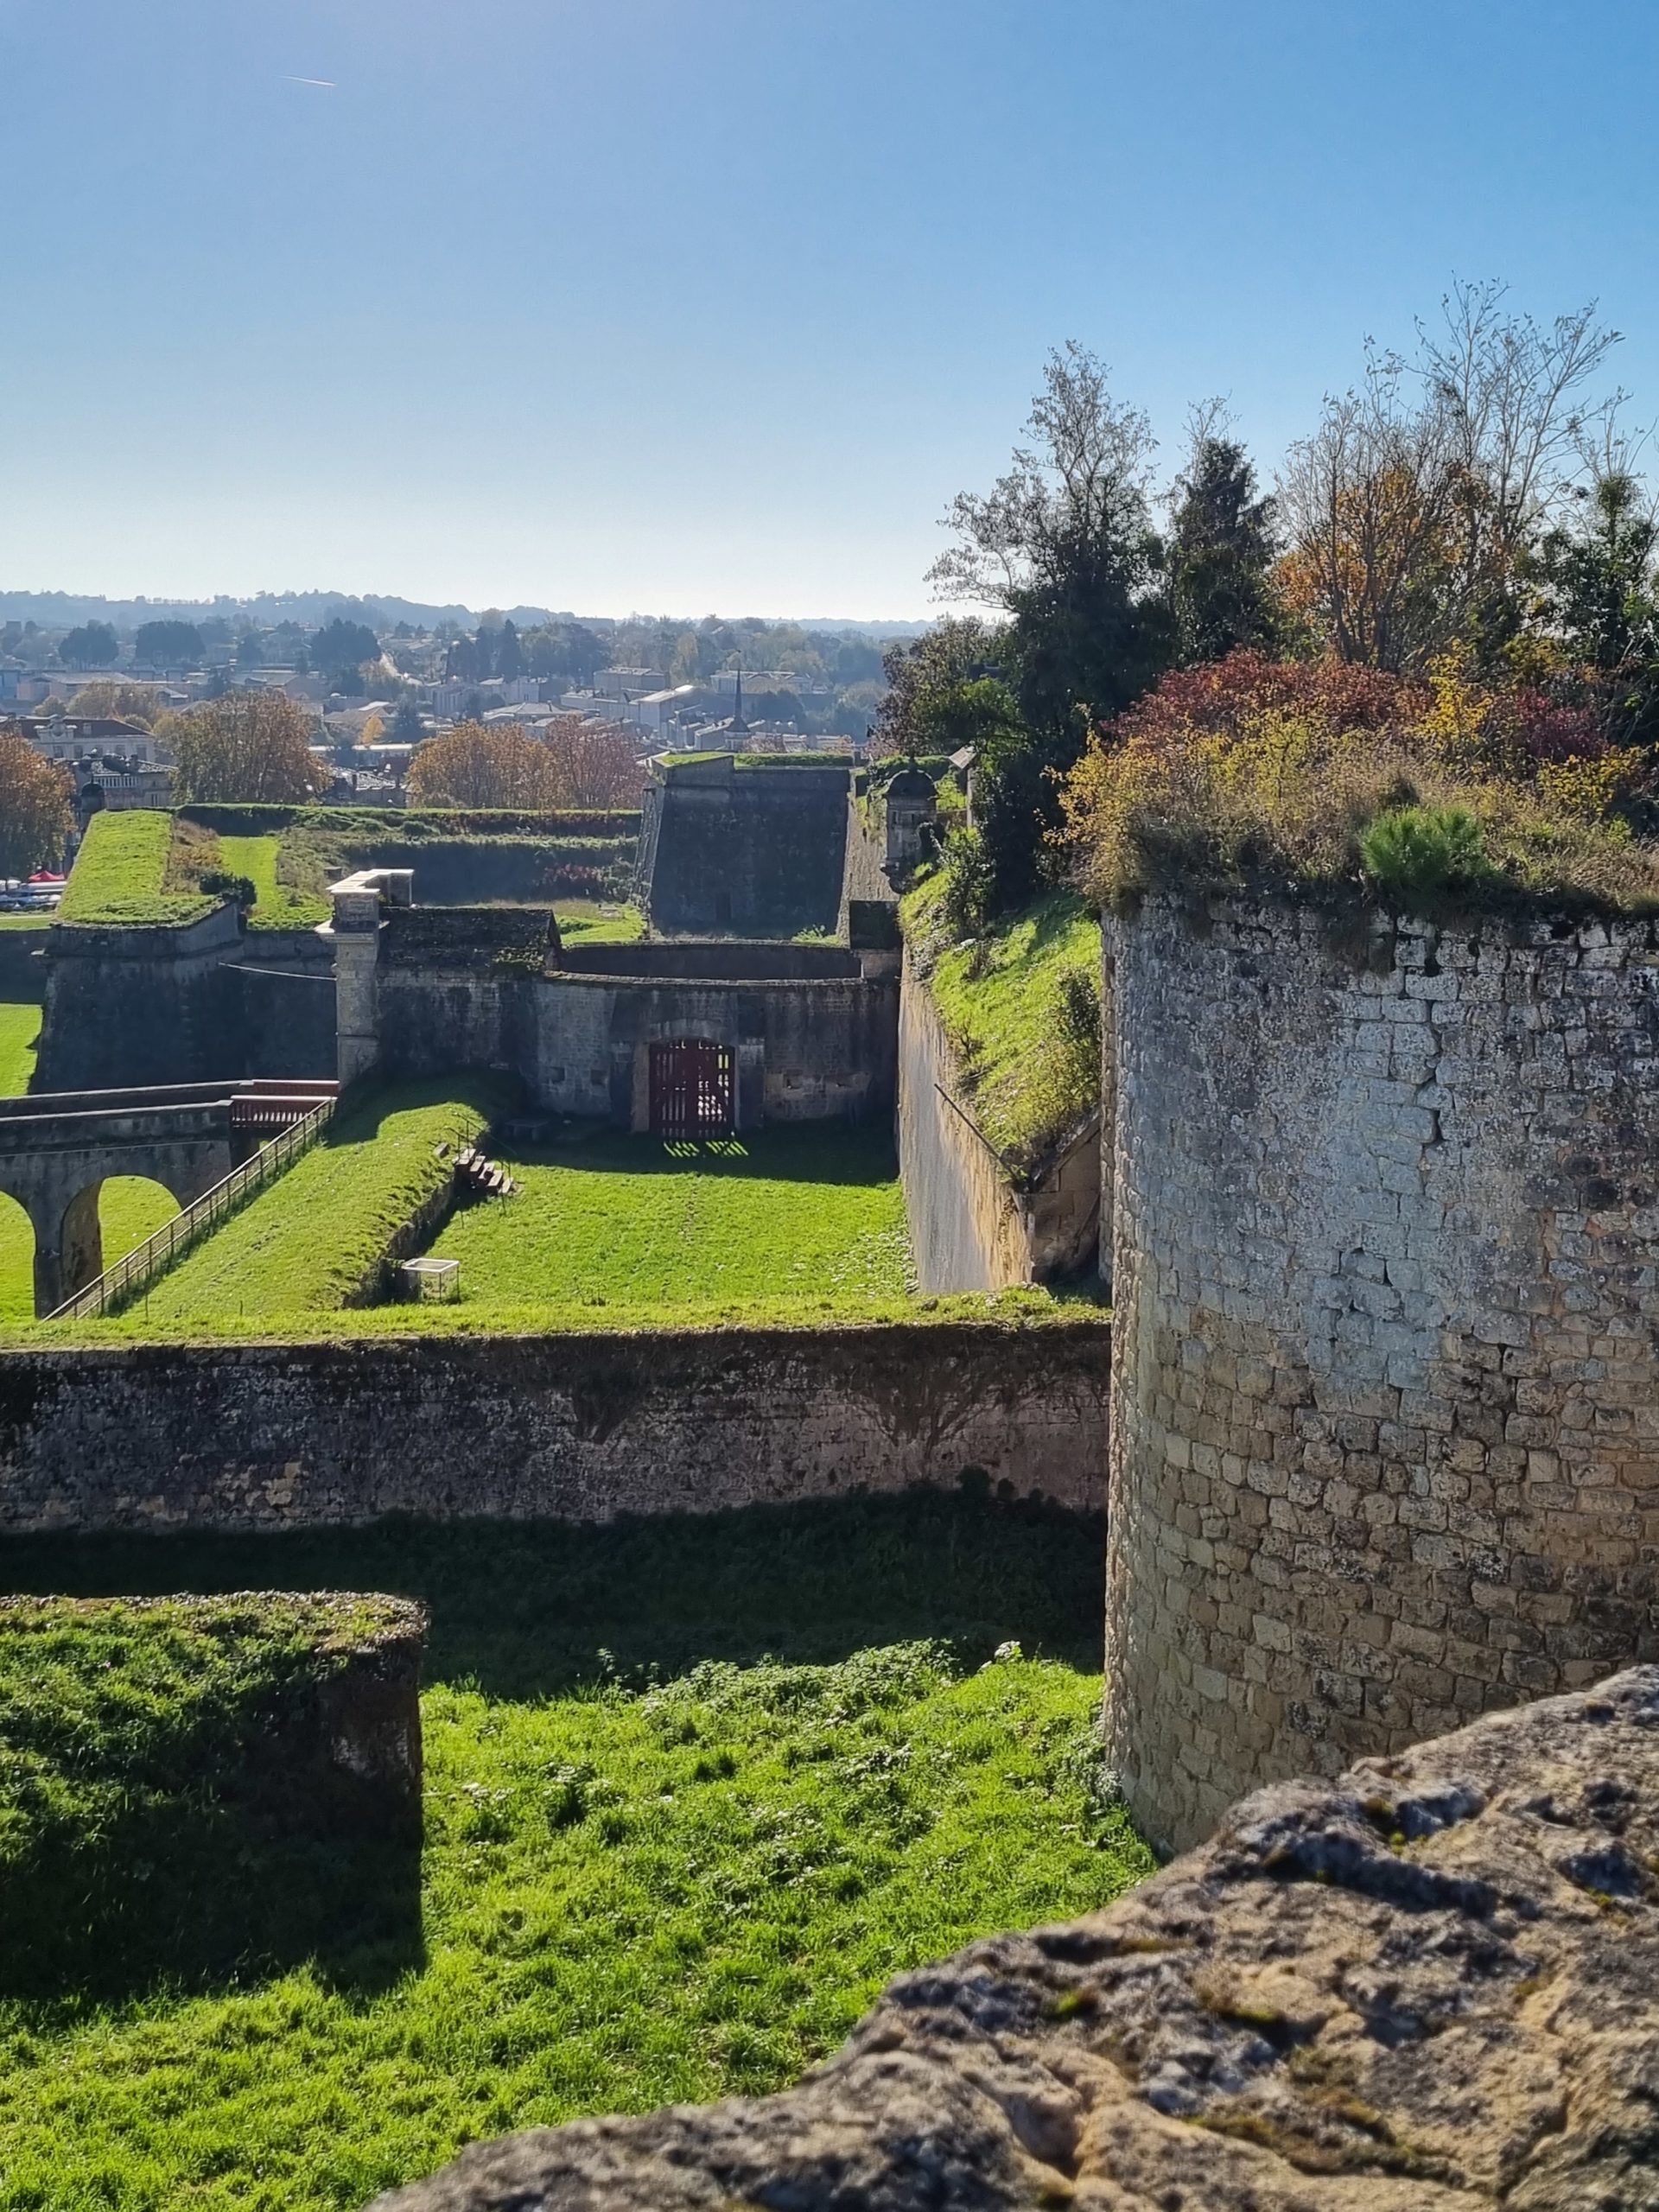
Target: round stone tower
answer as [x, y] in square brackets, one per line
[1385, 1393]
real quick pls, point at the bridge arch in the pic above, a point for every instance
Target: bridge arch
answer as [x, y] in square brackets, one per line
[17, 1259]
[111, 1214]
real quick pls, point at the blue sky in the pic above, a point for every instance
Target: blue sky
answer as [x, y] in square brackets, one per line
[680, 305]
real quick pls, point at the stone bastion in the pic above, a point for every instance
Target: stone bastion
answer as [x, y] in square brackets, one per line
[1385, 1394]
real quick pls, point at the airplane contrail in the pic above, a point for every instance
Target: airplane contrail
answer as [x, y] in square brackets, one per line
[322, 84]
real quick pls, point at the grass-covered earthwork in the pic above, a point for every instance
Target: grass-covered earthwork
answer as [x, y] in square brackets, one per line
[148, 1748]
[695, 1790]
[316, 1235]
[151, 868]
[1021, 1008]
[119, 875]
[631, 1223]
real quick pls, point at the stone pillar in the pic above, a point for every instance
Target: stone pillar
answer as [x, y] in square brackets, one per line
[356, 930]
[1385, 1391]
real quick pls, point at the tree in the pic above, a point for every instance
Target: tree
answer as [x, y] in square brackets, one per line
[92, 645]
[118, 701]
[1597, 576]
[247, 747]
[169, 645]
[1221, 548]
[579, 764]
[1414, 507]
[476, 764]
[596, 764]
[921, 673]
[406, 726]
[35, 814]
[509, 654]
[1062, 548]
[341, 647]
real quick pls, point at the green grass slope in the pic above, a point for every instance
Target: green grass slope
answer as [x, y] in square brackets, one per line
[1017, 1005]
[309, 1238]
[119, 872]
[20, 1031]
[814, 1213]
[278, 905]
[695, 1790]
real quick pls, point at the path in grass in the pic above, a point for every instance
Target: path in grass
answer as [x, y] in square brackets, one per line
[695, 1790]
[813, 1211]
[309, 1238]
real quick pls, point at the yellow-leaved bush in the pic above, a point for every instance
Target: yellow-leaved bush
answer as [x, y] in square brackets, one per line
[1278, 774]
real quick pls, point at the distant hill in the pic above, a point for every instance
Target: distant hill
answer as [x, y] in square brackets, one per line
[60, 610]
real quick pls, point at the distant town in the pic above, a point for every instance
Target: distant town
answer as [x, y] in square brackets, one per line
[95, 687]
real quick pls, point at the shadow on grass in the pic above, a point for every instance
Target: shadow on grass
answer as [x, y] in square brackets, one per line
[207, 1890]
[541, 1609]
[821, 1151]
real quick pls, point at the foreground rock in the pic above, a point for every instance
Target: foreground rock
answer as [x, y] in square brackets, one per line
[1431, 1982]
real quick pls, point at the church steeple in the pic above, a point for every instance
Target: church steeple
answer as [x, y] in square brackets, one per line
[738, 726]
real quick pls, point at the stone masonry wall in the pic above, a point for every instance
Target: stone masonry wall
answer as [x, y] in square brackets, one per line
[970, 1227]
[576, 1429]
[1386, 1395]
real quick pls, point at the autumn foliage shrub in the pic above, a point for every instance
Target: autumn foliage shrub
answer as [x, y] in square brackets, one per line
[1282, 774]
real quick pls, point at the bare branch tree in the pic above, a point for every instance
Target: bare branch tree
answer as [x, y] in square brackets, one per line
[1413, 506]
[1086, 474]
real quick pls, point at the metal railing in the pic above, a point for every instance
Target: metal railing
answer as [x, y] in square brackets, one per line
[118, 1284]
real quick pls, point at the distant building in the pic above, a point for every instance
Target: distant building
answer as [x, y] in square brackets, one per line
[86, 737]
[629, 683]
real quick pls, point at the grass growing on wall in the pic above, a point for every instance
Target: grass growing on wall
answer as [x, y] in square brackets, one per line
[1021, 1008]
[695, 1790]
[815, 1212]
[309, 1239]
[20, 1031]
[119, 872]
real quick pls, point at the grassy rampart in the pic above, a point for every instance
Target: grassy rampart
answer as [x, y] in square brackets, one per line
[137, 1742]
[291, 855]
[1021, 1008]
[316, 1235]
[120, 874]
[695, 1790]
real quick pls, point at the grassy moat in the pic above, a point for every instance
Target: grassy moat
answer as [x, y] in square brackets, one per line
[694, 1790]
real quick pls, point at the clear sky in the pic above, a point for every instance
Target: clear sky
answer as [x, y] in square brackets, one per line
[686, 305]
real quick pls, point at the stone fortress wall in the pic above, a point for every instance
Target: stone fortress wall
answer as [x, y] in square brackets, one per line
[972, 1226]
[1385, 1414]
[574, 1428]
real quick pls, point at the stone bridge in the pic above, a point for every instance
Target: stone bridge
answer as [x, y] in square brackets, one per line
[56, 1149]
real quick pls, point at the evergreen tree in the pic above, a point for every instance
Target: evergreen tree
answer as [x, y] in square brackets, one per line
[509, 654]
[1221, 552]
